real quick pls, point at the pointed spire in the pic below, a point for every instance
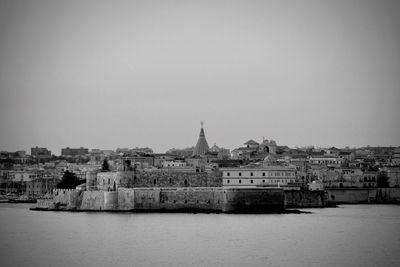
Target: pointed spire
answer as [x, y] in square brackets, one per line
[202, 145]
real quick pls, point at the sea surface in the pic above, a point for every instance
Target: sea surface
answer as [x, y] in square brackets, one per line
[349, 235]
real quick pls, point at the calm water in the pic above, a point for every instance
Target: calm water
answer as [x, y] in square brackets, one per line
[352, 235]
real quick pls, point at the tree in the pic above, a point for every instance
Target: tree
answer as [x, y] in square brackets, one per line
[105, 167]
[69, 181]
[383, 179]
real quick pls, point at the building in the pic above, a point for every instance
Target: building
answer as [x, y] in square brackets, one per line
[74, 152]
[395, 160]
[201, 147]
[248, 177]
[393, 174]
[41, 186]
[40, 152]
[326, 160]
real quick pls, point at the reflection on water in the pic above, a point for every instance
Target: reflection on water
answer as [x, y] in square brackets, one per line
[351, 235]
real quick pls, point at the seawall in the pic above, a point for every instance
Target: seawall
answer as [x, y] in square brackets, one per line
[305, 199]
[213, 199]
[363, 195]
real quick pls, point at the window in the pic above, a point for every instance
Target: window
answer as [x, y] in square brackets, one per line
[240, 181]
[228, 174]
[154, 181]
[186, 182]
[240, 174]
[263, 174]
[227, 181]
[263, 181]
[170, 180]
[251, 181]
[251, 174]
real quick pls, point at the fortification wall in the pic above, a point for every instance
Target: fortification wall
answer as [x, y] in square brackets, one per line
[62, 196]
[168, 178]
[191, 198]
[111, 200]
[253, 200]
[146, 198]
[384, 195]
[75, 199]
[350, 196]
[93, 200]
[126, 199]
[299, 198]
[91, 180]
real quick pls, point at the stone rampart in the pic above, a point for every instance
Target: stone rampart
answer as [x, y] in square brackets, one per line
[253, 200]
[126, 199]
[364, 195]
[302, 198]
[62, 195]
[191, 198]
[111, 200]
[349, 196]
[93, 200]
[75, 199]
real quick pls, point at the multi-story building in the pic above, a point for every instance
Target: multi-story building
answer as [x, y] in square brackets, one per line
[41, 186]
[393, 173]
[74, 152]
[40, 152]
[248, 177]
[395, 159]
[326, 160]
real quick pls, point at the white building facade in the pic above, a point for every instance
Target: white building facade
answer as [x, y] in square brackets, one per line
[272, 176]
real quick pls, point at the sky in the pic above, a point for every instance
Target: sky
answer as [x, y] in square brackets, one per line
[109, 74]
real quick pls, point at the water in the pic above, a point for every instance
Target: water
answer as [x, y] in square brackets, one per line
[351, 235]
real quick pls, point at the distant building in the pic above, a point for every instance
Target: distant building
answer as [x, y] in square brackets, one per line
[201, 147]
[393, 174]
[40, 152]
[41, 186]
[181, 153]
[247, 177]
[74, 152]
[395, 160]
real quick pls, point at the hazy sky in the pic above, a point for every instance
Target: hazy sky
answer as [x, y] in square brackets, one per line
[108, 74]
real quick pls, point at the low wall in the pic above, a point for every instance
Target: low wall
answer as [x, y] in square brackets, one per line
[301, 199]
[363, 195]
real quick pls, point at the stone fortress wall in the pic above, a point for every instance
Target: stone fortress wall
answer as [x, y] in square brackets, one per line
[214, 199]
[161, 178]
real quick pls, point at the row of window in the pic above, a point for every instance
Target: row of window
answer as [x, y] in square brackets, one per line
[197, 201]
[270, 174]
[263, 181]
[37, 186]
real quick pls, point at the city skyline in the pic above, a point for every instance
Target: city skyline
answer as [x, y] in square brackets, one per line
[133, 74]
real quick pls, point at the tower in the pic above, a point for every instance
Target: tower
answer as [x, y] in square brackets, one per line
[202, 145]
